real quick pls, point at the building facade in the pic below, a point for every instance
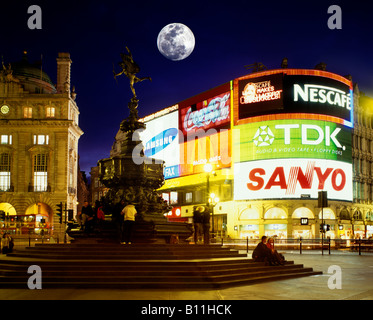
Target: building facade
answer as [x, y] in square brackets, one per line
[39, 130]
[259, 148]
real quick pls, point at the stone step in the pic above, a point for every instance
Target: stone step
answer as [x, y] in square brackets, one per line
[13, 270]
[20, 283]
[140, 266]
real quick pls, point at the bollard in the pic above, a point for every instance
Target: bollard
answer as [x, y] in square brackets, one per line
[247, 244]
[300, 245]
[359, 248]
[329, 246]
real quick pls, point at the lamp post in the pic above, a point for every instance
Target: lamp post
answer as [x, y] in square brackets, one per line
[213, 201]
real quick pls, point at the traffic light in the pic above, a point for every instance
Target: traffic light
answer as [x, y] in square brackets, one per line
[324, 228]
[2, 215]
[59, 211]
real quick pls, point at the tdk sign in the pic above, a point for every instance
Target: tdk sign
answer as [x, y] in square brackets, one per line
[161, 141]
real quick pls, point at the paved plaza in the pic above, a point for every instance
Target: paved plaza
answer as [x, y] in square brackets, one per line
[356, 284]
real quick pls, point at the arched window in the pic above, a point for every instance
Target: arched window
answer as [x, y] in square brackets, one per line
[328, 214]
[275, 213]
[344, 214]
[369, 216]
[249, 214]
[358, 215]
[303, 212]
[5, 173]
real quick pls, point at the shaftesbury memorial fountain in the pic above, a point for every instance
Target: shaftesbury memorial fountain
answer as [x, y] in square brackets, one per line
[133, 177]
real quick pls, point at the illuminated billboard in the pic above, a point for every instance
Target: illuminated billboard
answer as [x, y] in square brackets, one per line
[260, 95]
[288, 91]
[204, 147]
[211, 109]
[274, 179]
[161, 141]
[292, 138]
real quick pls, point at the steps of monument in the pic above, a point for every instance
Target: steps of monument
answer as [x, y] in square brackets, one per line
[124, 256]
[128, 252]
[167, 266]
[186, 269]
[163, 284]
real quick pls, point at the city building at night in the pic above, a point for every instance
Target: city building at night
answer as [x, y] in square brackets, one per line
[39, 145]
[258, 150]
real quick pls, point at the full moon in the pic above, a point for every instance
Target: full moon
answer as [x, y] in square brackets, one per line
[176, 41]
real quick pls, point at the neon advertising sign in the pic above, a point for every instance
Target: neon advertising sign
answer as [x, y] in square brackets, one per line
[211, 113]
[284, 93]
[258, 92]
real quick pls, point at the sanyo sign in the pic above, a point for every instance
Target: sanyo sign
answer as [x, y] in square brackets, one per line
[322, 94]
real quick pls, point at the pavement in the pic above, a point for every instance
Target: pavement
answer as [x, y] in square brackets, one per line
[346, 276]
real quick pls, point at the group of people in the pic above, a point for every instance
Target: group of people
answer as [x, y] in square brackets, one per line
[265, 252]
[90, 217]
[201, 222]
[7, 243]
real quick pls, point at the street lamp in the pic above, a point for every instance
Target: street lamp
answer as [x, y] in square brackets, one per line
[213, 201]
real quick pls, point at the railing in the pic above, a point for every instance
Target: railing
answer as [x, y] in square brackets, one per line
[29, 240]
[301, 245]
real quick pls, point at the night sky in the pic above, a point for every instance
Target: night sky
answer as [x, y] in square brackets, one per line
[229, 35]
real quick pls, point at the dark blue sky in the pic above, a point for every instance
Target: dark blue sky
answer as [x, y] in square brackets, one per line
[229, 35]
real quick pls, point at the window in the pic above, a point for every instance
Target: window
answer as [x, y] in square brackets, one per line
[4, 172]
[41, 139]
[189, 197]
[40, 172]
[173, 197]
[50, 112]
[5, 139]
[27, 112]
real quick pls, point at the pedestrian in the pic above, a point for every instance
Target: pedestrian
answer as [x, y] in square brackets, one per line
[87, 216]
[100, 215]
[197, 221]
[5, 244]
[278, 258]
[205, 213]
[262, 253]
[129, 212]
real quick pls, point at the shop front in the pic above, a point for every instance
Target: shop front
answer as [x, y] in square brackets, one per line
[250, 231]
[359, 230]
[276, 230]
[345, 230]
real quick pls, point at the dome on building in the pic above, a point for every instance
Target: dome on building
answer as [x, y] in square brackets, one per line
[31, 76]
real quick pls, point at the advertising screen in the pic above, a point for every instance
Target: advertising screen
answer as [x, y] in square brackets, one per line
[274, 179]
[161, 141]
[289, 91]
[292, 138]
[260, 95]
[214, 112]
[214, 148]
[310, 94]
